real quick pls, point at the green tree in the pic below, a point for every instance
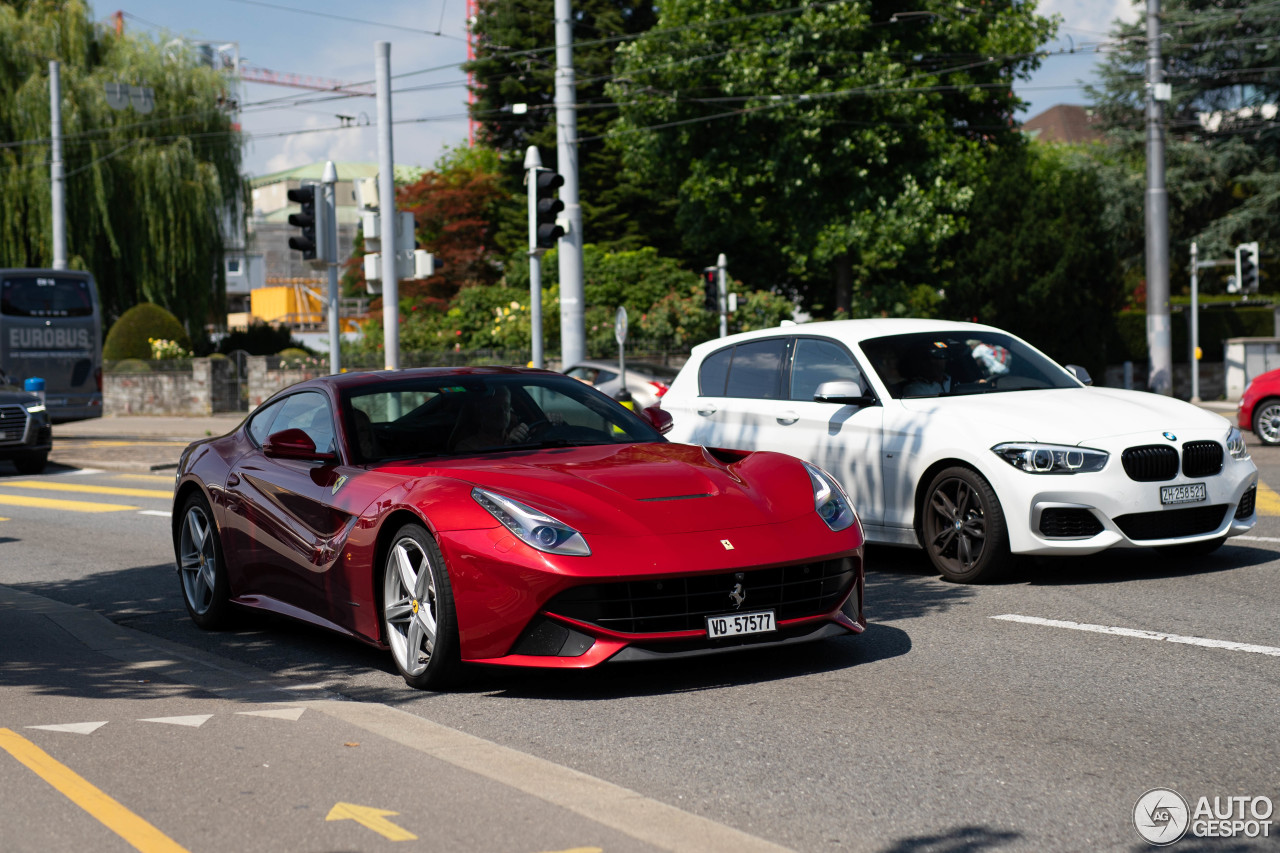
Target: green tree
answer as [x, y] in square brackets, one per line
[147, 195]
[1037, 259]
[823, 144]
[1223, 137]
[515, 64]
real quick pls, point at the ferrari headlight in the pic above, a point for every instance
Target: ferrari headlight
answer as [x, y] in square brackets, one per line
[829, 500]
[531, 526]
[1051, 458]
[1235, 444]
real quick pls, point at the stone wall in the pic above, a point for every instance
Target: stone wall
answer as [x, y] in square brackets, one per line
[201, 389]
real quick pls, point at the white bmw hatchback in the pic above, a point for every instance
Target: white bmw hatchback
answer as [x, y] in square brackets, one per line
[968, 442]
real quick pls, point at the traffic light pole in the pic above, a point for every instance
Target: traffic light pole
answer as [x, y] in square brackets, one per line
[330, 182]
[58, 186]
[722, 294]
[387, 210]
[532, 163]
[572, 322]
[1159, 338]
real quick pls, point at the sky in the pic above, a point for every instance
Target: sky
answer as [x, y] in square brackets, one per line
[330, 41]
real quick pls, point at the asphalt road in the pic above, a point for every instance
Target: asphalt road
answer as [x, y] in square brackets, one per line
[1028, 715]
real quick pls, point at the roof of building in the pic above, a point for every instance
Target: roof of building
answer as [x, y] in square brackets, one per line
[1064, 123]
[346, 172]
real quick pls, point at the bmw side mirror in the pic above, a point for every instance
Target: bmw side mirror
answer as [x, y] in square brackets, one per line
[294, 444]
[846, 392]
[1080, 373]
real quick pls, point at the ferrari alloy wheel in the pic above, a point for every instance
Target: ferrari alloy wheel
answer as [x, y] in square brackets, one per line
[417, 610]
[963, 528]
[200, 566]
[1266, 422]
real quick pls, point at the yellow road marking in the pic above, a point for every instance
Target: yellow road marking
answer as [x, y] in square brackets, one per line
[52, 503]
[1268, 500]
[85, 489]
[107, 811]
[371, 818]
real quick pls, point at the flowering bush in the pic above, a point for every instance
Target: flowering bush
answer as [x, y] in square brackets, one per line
[163, 349]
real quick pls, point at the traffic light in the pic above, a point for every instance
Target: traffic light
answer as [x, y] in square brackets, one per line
[710, 290]
[313, 219]
[1247, 267]
[548, 208]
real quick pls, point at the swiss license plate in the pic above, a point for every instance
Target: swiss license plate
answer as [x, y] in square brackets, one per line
[731, 625]
[1188, 493]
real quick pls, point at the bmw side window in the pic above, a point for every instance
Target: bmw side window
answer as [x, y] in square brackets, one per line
[714, 372]
[816, 361]
[756, 370]
[308, 412]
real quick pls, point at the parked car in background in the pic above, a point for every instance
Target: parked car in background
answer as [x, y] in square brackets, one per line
[646, 382]
[25, 434]
[1259, 408]
[512, 517]
[968, 442]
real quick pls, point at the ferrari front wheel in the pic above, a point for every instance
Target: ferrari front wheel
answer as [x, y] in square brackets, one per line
[201, 570]
[417, 610]
[963, 527]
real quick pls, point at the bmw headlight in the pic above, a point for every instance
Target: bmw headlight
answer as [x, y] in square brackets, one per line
[1235, 444]
[829, 500]
[1051, 458]
[531, 526]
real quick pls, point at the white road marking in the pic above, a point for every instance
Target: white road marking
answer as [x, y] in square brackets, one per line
[74, 728]
[195, 721]
[1143, 635]
[281, 714]
[1257, 538]
[163, 513]
[81, 472]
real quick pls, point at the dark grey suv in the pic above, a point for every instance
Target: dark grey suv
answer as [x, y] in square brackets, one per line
[25, 434]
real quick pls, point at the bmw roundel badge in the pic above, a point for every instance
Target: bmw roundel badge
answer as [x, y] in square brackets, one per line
[1170, 436]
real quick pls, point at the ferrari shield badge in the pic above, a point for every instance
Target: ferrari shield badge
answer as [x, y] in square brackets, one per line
[337, 484]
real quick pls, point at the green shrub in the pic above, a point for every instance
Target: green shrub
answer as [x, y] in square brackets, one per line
[130, 365]
[131, 335]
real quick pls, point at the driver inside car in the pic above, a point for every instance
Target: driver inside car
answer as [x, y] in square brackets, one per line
[495, 423]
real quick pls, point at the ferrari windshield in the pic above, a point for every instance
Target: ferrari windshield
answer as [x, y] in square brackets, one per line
[466, 414]
[945, 363]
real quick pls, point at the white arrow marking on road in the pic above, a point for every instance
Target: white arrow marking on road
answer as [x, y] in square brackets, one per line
[195, 721]
[73, 728]
[279, 714]
[1143, 635]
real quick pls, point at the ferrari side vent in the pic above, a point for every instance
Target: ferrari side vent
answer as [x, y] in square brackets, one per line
[683, 602]
[1201, 458]
[1172, 523]
[1150, 463]
[13, 423]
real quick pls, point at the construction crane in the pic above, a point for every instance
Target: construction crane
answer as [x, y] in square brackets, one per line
[255, 74]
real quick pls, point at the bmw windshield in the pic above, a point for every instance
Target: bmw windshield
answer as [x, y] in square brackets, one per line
[943, 363]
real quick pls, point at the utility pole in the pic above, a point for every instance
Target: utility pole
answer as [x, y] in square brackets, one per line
[58, 190]
[387, 211]
[1159, 337]
[330, 182]
[573, 334]
[722, 292]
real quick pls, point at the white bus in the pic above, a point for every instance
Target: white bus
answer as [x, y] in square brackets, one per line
[51, 329]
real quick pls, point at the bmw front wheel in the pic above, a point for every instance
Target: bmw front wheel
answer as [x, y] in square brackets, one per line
[418, 616]
[963, 528]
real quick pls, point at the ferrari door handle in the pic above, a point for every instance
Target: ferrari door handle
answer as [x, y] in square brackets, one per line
[233, 480]
[707, 410]
[788, 418]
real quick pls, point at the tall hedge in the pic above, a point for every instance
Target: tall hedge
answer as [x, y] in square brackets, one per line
[1216, 326]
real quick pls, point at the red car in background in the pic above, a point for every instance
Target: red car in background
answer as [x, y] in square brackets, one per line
[1259, 408]
[508, 516]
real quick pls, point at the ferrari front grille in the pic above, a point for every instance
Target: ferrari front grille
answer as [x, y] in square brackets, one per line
[1150, 463]
[1069, 523]
[13, 423]
[1201, 458]
[1172, 523]
[682, 603]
